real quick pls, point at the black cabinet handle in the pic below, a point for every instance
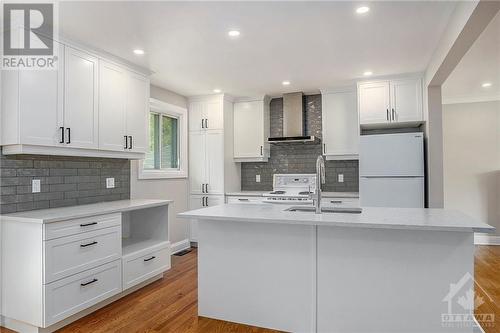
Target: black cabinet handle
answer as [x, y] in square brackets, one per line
[261, 150]
[202, 126]
[242, 199]
[324, 148]
[69, 136]
[206, 188]
[202, 201]
[62, 134]
[153, 257]
[336, 201]
[206, 123]
[87, 283]
[131, 142]
[126, 142]
[88, 244]
[206, 201]
[87, 224]
[393, 115]
[387, 114]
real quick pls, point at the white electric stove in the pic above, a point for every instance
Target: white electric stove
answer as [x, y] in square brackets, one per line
[291, 189]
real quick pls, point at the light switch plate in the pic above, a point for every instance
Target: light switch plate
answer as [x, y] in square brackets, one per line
[257, 178]
[35, 186]
[340, 177]
[110, 183]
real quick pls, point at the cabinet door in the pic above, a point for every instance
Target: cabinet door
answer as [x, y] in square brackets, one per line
[215, 162]
[196, 116]
[80, 99]
[137, 111]
[340, 125]
[248, 129]
[214, 200]
[112, 94]
[374, 102]
[406, 100]
[214, 118]
[197, 161]
[195, 202]
[40, 104]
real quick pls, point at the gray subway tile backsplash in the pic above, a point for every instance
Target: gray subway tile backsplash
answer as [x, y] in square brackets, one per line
[65, 181]
[298, 157]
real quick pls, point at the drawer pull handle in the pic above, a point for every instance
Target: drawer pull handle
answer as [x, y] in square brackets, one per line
[242, 199]
[87, 283]
[336, 201]
[88, 244]
[88, 224]
[153, 257]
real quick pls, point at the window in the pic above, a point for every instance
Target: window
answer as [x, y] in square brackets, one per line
[166, 157]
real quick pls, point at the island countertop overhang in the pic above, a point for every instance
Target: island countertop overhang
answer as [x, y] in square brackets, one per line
[371, 217]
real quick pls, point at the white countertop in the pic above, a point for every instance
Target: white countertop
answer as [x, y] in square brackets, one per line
[324, 194]
[371, 217]
[73, 212]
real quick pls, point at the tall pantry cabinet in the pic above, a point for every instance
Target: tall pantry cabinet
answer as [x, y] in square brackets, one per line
[212, 171]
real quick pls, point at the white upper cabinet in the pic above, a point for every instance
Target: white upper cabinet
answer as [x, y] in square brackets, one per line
[206, 115]
[89, 103]
[340, 126]
[137, 111]
[80, 99]
[196, 116]
[251, 130]
[112, 93]
[406, 100]
[390, 103]
[374, 102]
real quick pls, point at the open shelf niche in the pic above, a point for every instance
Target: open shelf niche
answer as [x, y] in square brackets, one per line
[144, 229]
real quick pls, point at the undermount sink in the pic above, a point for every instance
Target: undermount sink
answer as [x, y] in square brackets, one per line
[348, 210]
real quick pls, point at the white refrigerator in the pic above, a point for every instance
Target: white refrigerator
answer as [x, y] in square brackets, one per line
[391, 170]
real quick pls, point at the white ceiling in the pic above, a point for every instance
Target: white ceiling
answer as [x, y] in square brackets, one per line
[479, 65]
[314, 45]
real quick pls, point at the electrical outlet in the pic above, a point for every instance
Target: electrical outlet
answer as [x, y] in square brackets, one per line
[257, 178]
[35, 186]
[110, 183]
[340, 177]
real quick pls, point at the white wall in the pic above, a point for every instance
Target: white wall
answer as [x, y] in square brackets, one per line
[471, 134]
[173, 189]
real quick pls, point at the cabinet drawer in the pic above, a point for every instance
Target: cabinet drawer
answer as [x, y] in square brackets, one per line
[76, 226]
[146, 264]
[340, 202]
[245, 200]
[69, 255]
[68, 296]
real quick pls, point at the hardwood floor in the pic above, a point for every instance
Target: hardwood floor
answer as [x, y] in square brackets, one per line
[487, 286]
[170, 304]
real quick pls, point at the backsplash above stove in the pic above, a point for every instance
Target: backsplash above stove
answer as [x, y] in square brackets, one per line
[298, 157]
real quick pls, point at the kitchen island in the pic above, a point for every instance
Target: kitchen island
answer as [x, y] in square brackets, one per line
[382, 270]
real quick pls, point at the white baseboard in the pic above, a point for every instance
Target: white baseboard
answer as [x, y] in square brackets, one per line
[179, 246]
[481, 239]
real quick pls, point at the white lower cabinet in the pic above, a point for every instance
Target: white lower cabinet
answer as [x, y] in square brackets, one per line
[69, 255]
[78, 292]
[141, 266]
[201, 201]
[53, 270]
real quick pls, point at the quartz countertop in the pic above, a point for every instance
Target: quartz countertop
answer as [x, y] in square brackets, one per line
[66, 213]
[324, 194]
[371, 217]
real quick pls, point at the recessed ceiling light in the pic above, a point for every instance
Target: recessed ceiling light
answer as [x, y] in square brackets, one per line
[368, 73]
[233, 33]
[486, 85]
[217, 91]
[285, 83]
[362, 10]
[139, 51]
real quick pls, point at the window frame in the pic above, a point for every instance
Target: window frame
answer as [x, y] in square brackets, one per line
[173, 111]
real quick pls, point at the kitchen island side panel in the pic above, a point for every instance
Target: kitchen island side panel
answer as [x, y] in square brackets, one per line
[258, 274]
[373, 280]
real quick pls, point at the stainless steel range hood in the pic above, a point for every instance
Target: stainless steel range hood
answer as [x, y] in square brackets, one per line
[293, 120]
